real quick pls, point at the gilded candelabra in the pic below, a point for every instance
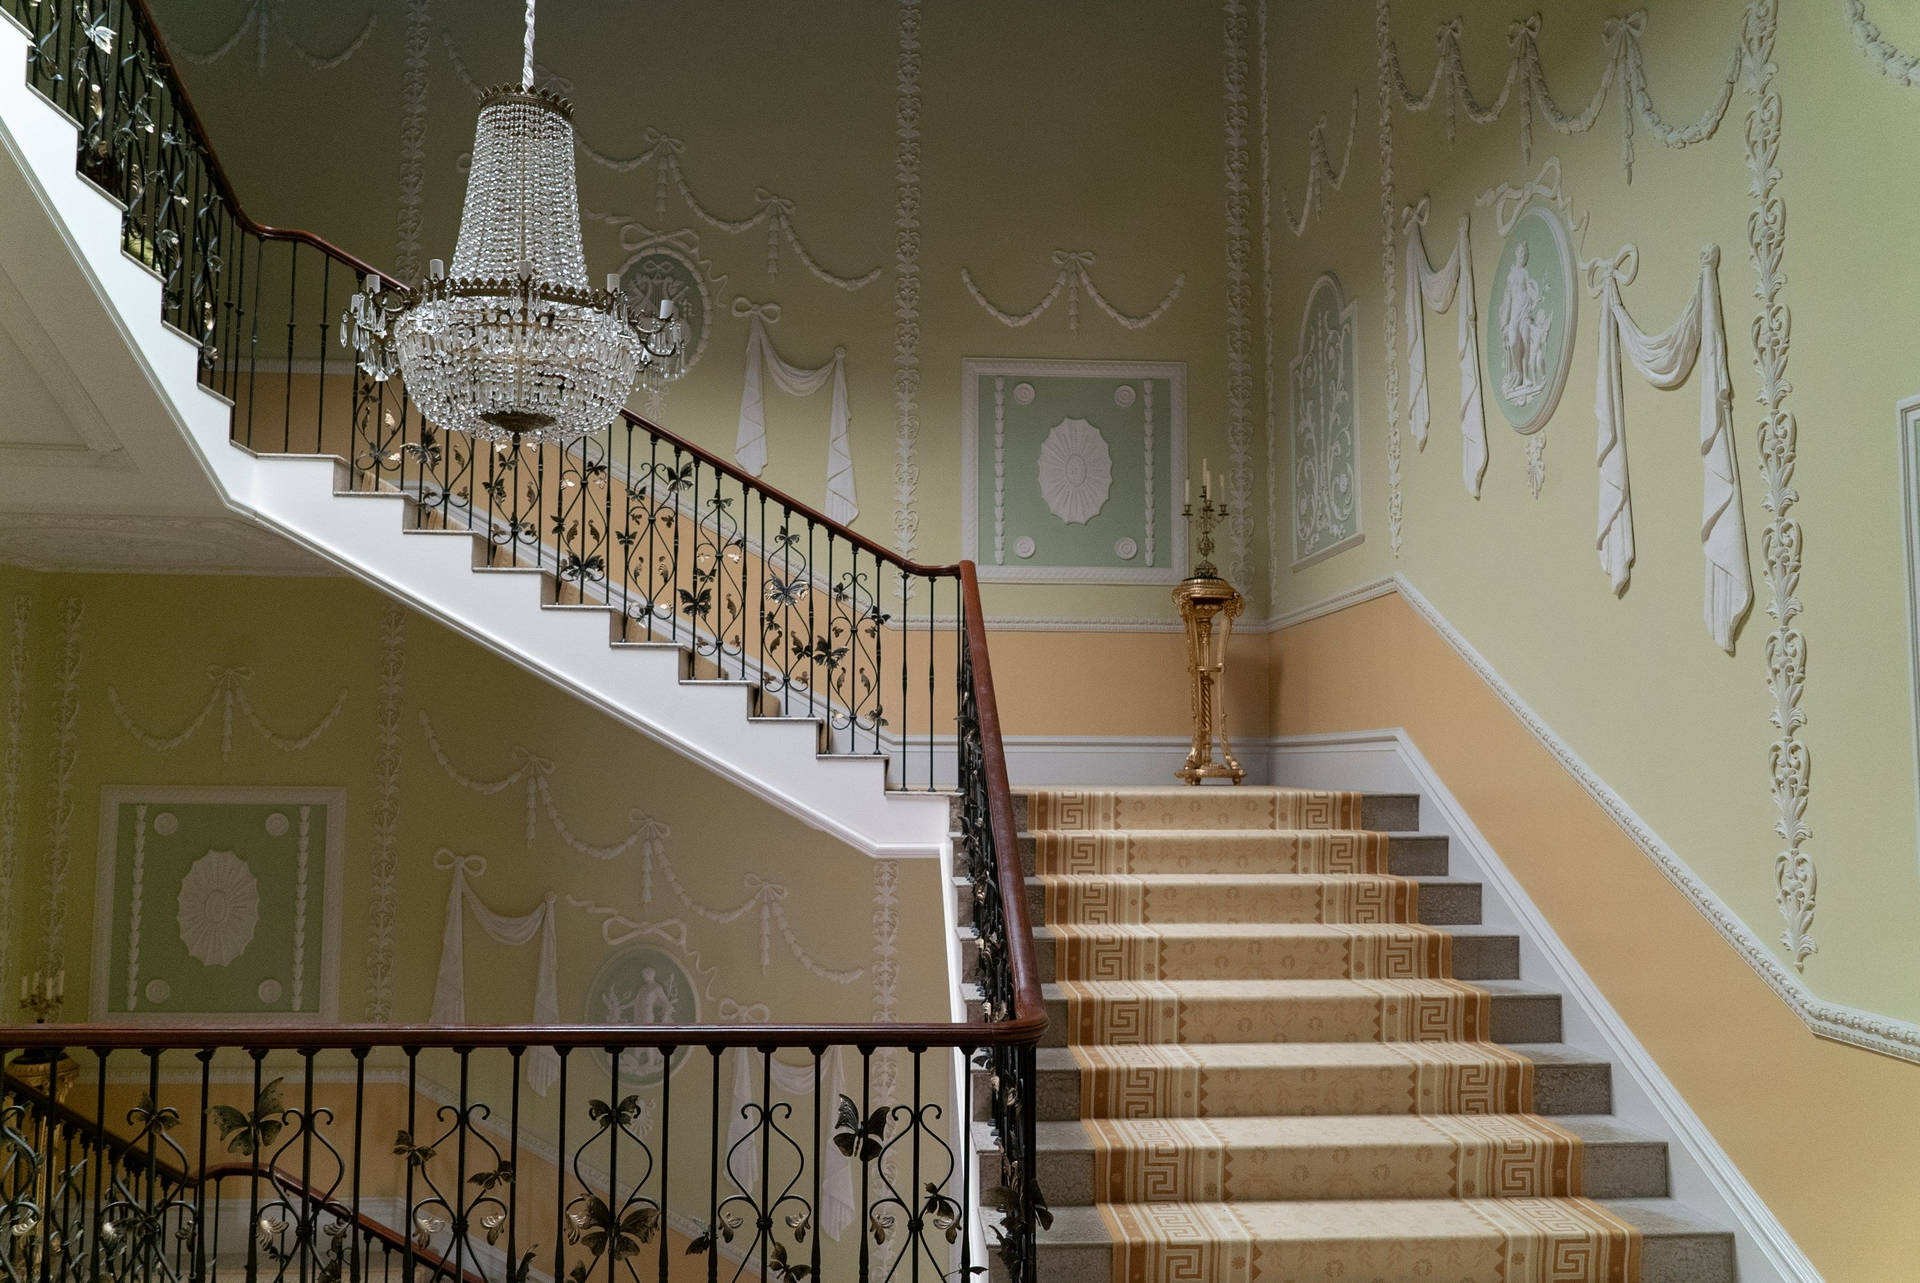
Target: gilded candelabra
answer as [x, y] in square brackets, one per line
[1208, 606]
[42, 996]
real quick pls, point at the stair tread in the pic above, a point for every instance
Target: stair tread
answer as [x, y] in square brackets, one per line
[1653, 1217]
[1264, 930]
[1281, 1130]
[1299, 988]
[1254, 836]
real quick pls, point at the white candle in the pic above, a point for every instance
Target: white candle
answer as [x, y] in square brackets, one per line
[1206, 478]
[1189, 492]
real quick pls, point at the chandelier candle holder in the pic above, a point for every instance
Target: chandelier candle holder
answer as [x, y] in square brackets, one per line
[513, 345]
[1208, 606]
[50, 1073]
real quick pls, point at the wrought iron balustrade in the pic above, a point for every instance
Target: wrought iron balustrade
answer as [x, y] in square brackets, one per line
[485, 1177]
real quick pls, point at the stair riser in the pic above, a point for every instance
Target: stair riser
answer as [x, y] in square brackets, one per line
[1082, 1176]
[1557, 1090]
[1474, 957]
[1392, 812]
[1525, 1017]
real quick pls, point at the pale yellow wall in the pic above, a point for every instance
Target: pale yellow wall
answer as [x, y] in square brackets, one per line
[1824, 1132]
[152, 639]
[1634, 685]
[1091, 127]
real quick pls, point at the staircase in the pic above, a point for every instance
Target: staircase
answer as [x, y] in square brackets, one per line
[1281, 1046]
[669, 632]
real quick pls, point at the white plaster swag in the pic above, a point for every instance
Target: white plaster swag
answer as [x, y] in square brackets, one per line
[743, 1132]
[750, 443]
[1697, 337]
[1439, 290]
[450, 986]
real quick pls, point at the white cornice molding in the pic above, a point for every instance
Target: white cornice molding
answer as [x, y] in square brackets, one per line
[1850, 1025]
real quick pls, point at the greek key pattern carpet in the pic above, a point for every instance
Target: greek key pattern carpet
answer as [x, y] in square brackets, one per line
[1280, 1078]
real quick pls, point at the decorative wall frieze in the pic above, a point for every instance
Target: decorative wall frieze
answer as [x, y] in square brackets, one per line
[1901, 68]
[227, 692]
[906, 279]
[1526, 83]
[1322, 174]
[63, 758]
[383, 864]
[12, 768]
[1239, 477]
[264, 18]
[1072, 276]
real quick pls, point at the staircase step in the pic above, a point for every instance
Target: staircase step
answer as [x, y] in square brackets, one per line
[1223, 1080]
[1264, 951]
[1232, 852]
[1221, 1011]
[1675, 1245]
[1319, 1158]
[1184, 897]
[1387, 811]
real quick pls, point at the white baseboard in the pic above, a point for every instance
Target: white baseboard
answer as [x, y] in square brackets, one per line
[1700, 1172]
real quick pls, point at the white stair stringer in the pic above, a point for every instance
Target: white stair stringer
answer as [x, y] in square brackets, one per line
[773, 758]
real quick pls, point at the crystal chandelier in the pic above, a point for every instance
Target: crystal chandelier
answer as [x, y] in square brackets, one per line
[513, 345]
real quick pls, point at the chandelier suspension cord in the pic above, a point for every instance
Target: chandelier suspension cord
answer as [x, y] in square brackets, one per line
[526, 60]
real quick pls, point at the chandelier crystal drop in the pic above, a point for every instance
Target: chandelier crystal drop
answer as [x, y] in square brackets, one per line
[513, 345]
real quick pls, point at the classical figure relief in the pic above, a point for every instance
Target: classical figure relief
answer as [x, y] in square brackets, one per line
[1525, 330]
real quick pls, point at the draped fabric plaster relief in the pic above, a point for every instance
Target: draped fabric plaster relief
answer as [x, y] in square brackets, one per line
[218, 902]
[1450, 286]
[1750, 66]
[1073, 467]
[1326, 478]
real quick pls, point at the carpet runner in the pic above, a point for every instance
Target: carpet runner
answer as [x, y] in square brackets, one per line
[1280, 1079]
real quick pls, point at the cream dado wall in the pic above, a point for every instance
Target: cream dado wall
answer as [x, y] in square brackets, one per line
[258, 691]
[1780, 770]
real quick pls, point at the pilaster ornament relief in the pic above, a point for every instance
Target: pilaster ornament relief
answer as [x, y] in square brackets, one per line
[1072, 275]
[765, 901]
[1239, 329]
[1901, 68]
[136, 893]
[228, 692]
[999, 470]
[12, 766]
[382, 917]
[413, 140]
[1788, 757]
[66, 725]
[1270, 387]
[260, 21]
[906, 280]
[1322, 174]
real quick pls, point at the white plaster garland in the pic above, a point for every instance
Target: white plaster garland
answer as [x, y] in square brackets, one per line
[765, 902]
[906, 279]
[1451, 286]
[1901, 68]
[1383, 47]
[1072, 275]
[764, 361]
[1322, 174]
[1239, 478]
[772, 211]
[66, 722]
[12, 767]
[1696, 337]
[259, 20]
[383, 866]
[227, 692]
[1270, 388]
